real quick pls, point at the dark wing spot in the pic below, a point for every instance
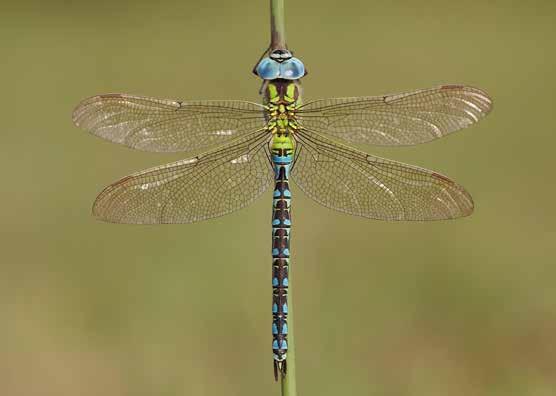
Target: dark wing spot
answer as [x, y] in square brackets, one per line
[442, 177]
[452, 86]
[109, 96]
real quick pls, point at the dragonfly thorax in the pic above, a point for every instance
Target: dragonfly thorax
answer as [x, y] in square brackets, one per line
[281, 99]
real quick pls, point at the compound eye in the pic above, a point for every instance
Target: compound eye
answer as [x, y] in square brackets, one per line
[292, 69]
[268, 69]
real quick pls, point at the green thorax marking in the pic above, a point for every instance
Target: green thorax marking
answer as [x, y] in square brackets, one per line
[282, 98]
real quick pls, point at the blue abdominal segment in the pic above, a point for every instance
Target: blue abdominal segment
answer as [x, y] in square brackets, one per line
[281, 227]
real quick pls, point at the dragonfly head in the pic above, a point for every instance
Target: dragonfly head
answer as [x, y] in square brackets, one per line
[280, 64]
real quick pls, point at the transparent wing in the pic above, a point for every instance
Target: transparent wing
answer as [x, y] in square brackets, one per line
[167, 125]
[402, 119]
[360, 184]
[206, 186]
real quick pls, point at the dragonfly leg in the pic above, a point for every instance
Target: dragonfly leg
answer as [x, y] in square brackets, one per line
[264, 85]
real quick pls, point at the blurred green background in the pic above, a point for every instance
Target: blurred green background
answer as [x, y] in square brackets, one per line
[463, 307]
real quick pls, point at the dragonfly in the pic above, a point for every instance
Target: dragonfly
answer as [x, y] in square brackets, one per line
[238, 149]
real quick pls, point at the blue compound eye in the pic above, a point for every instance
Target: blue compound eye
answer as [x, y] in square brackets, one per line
[292, 69]
[268, 69]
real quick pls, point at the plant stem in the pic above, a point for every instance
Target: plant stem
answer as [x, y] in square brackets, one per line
[277, 25]
[278, 41]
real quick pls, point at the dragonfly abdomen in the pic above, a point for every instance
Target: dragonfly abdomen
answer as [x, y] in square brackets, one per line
[281, 228]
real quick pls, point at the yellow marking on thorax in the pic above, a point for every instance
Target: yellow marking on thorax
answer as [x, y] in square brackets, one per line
[273, 95]
[290, 93]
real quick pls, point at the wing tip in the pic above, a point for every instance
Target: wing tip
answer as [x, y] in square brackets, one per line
[96, 209]
[103, 202]
[82, 106]
[484, 97]
[465, 203]
[77, 112]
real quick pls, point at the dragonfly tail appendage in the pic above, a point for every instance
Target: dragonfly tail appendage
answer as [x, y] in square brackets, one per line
[280, 369]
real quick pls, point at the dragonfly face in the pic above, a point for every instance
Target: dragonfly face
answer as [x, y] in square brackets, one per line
[280, 55]
[280, 64]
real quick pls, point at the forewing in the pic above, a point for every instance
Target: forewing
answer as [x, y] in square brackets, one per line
[167, 125]
[401, 119]
[203, 187]
[360, 184]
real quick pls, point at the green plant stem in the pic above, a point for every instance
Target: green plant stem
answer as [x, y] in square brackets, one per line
[278, 41]
[277, 25]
